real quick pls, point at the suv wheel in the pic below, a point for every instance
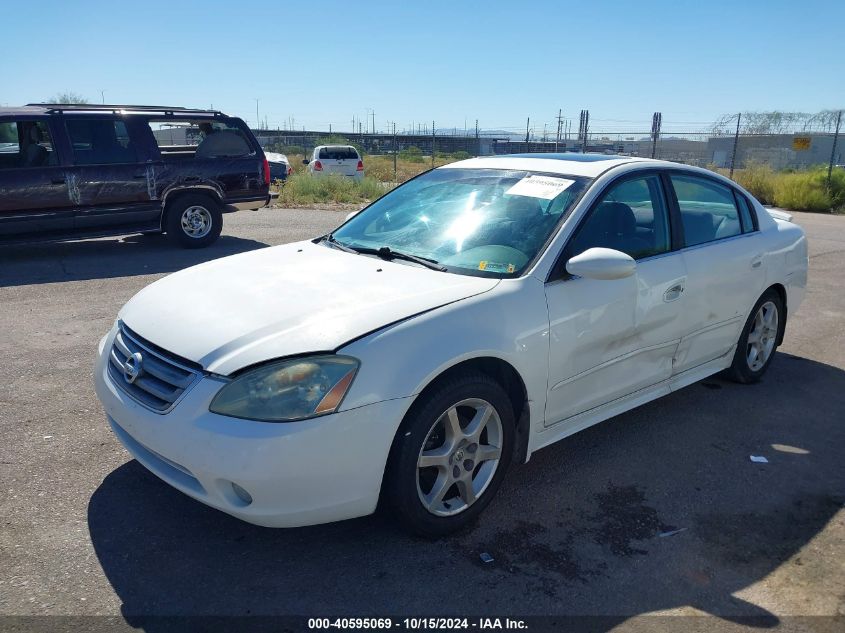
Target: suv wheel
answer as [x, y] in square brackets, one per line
[194, 221]
[450, 455]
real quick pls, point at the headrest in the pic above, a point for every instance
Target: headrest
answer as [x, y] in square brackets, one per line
[616, 218]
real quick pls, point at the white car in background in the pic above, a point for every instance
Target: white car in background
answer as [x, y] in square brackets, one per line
[343, 160]
[465, 320]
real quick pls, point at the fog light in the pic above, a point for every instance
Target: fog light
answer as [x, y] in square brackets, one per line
[242, 494]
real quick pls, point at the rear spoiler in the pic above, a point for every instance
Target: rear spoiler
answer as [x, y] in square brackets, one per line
[777, 214]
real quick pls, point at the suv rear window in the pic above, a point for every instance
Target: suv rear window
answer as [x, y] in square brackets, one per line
[338, 153]
[202, 138]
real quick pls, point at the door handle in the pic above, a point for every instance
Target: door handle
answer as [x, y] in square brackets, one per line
[757, 261]
[674, 292]
[58, 181]
[139, 176]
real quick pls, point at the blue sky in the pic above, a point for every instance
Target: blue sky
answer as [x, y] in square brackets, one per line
[322, 62]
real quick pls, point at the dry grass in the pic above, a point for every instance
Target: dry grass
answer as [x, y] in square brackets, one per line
[302, 189]
[803, 190]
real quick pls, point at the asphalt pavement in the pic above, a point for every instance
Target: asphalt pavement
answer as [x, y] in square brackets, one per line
[659, 510]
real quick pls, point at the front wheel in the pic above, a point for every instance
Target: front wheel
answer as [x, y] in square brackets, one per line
[194, 221]
[758, 341]
[450, 455]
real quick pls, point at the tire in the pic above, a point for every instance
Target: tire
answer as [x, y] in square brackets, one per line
[476, 400]
[203, 221]
[762, 331]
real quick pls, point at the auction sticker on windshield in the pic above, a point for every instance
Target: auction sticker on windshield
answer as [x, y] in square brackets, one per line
[545, 187]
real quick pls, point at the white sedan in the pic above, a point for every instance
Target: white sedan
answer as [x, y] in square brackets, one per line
[466, 319]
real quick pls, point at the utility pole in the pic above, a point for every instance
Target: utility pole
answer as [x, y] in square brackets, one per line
[527, 121]
[374, 121]
[736, 142]
[477, 144]
[103, 95]
[257, 118]
[557, 136]
[395, 151]
[656, 123]
[433, 145]
[583, 130]
[833, 149]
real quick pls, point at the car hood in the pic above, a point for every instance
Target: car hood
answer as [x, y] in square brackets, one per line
[236, 311]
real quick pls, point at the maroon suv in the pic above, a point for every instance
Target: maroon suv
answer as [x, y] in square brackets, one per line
[73, 171]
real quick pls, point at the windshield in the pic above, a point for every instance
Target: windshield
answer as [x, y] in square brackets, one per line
[486, 222]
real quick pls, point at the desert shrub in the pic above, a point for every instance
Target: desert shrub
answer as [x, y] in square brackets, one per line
[808, 190]
[412, 154]
[302, 189]
[759, 180]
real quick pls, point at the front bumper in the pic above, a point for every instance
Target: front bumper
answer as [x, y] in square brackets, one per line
[297, 473]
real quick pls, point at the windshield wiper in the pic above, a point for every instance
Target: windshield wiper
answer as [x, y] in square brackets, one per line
[339, 245]
[385, 252]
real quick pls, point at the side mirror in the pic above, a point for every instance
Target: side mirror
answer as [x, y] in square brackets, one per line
[304, 161]
[601, 263]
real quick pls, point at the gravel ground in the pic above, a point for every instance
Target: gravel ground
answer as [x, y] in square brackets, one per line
[580, 530]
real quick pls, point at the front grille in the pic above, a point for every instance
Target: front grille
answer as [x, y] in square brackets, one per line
[154, 378]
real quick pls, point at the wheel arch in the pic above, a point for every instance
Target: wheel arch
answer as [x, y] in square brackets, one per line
[511, 381]
[173, 196]
[780, 289]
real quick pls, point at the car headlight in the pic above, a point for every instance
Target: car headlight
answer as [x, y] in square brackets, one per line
[288, 390]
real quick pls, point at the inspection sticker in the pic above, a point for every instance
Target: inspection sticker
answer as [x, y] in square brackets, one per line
[545, 187]
[496, 267]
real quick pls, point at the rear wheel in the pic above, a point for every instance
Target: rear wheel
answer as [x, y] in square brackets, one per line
[450, 455]
[194, 221]
[758, 341]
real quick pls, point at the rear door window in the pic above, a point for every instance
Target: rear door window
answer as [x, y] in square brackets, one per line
[745, 213]
[708, 209]
[100, 142]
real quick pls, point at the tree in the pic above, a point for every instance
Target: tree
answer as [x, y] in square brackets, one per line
[68, 97]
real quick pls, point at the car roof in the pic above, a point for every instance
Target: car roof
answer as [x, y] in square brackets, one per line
[569, 163]
[22, 110]
[88, 109]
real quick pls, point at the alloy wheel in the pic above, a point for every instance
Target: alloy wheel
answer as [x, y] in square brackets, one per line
[196, 221]
[459, 457]
[762, 336]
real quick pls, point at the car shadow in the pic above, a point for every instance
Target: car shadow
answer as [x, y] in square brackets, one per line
[659, 508]
[22, 265]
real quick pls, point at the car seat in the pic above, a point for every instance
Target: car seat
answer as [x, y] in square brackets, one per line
[35, 154]
[613, 225]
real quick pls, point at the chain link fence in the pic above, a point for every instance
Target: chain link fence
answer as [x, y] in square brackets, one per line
[795, 150]
[780, 142]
